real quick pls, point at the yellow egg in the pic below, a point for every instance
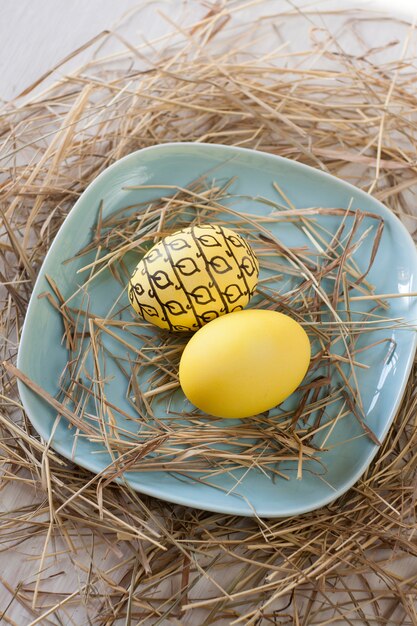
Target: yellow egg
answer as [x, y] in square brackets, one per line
[244, 363]
[194, 276]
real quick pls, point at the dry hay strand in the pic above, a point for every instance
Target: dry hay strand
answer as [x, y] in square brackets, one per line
[344, 107]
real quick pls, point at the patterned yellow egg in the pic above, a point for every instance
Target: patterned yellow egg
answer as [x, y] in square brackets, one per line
[194, 276]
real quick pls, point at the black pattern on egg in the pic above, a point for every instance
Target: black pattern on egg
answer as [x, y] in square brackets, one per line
[193, 276]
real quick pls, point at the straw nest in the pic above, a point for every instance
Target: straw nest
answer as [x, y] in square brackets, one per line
[332, 102]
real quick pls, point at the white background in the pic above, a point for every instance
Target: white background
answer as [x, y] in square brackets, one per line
[37, 34]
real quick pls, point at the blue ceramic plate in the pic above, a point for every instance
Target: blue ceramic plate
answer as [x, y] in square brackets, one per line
[42, 356]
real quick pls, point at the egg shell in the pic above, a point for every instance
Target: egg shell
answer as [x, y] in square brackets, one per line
[244, 363]
[193, 276]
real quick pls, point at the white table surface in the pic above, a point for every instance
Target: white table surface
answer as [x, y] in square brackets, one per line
[35, 35]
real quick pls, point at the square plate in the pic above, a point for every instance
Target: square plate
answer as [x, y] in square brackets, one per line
[42, 356]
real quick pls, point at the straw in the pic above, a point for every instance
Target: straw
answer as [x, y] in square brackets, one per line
[103, 553]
